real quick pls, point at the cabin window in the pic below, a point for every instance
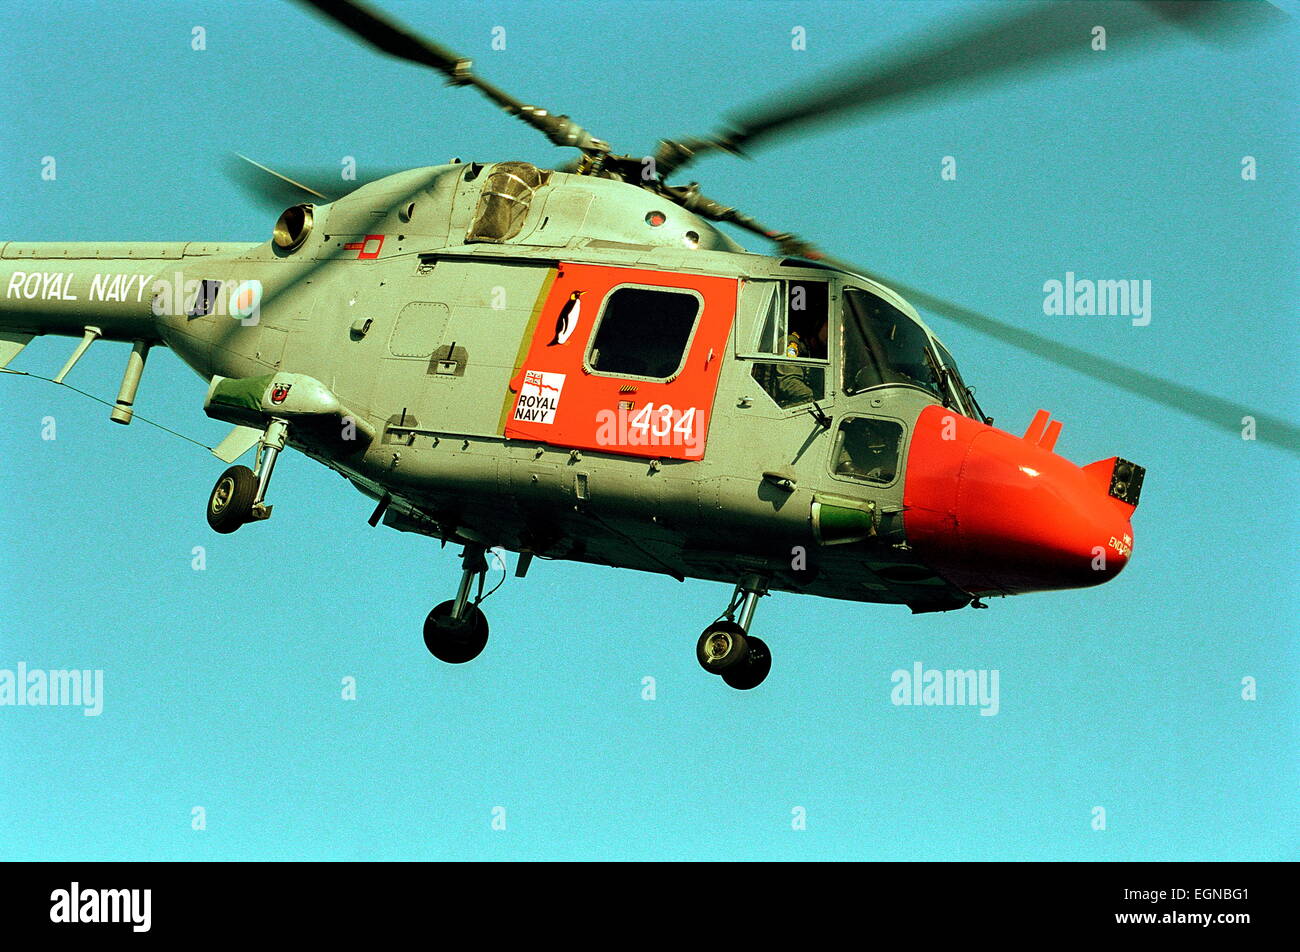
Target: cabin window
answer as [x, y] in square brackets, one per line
[882, 345]
[644, 332]
[867, 449]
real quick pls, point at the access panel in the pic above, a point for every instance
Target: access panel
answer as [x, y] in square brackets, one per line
[624, 360]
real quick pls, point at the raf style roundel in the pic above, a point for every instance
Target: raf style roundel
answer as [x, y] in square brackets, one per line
[246, 299]
[624, 360]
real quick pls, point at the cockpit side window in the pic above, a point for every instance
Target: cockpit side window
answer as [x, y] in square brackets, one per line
[882, 345]
[867, 449]
[796, 316]
[794, 328]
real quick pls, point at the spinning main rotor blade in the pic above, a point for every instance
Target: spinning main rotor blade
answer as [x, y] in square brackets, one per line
[1203, 406]
[274, 190]
[1034, 37]
[390, 37]
[1224, 414]
[269, 188]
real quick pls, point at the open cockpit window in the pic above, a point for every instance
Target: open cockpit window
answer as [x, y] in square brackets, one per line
[882, 345]
[795, 320]
[794, 327]
[644, 332]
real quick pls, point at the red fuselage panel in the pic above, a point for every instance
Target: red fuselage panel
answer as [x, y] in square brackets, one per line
[561, 400]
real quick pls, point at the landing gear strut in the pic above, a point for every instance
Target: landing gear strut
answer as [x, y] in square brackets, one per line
[457, 630]
[238, 497]
[727, 649]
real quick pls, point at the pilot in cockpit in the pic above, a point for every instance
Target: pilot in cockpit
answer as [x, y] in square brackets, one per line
[806, 339]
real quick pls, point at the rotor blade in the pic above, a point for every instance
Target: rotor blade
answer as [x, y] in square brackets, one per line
[1224, 414]
[275, 190]
[390, 37]
[269, 185]
[1034, 37]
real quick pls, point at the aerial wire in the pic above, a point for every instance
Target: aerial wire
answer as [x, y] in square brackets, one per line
[91, 396]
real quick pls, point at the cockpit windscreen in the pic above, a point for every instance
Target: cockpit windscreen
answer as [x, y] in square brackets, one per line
[882, 345]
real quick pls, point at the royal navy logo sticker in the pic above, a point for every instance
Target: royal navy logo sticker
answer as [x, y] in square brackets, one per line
[539, 397]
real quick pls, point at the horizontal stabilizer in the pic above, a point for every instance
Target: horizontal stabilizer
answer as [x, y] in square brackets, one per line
[238, 442]
[11, 345]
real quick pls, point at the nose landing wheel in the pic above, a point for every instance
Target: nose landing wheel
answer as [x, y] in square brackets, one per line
[726, 648]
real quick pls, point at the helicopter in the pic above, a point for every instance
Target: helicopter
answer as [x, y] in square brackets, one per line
[578, 364]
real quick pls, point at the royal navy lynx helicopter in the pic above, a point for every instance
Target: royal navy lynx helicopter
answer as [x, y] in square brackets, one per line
[577, 364]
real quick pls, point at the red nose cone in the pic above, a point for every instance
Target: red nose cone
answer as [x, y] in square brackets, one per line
[997, 514]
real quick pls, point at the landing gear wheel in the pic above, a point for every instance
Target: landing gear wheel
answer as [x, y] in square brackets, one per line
[231, 503]
[455, 642]
[750, 672]
[722, 646]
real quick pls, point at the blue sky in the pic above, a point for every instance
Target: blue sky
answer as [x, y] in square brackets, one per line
[222, 686]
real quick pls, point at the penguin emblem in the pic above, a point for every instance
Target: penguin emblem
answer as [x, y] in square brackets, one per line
[567, 322]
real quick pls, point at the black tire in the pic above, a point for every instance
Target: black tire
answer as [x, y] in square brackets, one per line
[753, 670]
[723, 645]
[455, 642]
[230, 504]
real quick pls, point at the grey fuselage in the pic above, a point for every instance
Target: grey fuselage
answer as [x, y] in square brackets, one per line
[422, 335]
